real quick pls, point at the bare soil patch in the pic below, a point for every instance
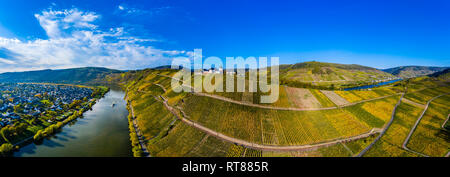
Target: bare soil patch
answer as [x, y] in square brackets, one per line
[302, 98]
[335, 98]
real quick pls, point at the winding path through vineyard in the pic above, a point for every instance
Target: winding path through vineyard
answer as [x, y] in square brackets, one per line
[273, 107]
[259, 146]
[405, 143]
[384, 129]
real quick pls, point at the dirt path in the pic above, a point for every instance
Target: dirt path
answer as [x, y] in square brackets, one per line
[405, 143]
[283, 108]
[383, 131]
[161, 87]
[413, 103]
[259, 146]
[445, 122]
[138, 131]
[273, 107]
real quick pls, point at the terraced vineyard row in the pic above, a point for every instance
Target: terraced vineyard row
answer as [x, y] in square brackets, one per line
[391, 142]
[424, 95]
[429, 138]
[356, 95]
[273, 127]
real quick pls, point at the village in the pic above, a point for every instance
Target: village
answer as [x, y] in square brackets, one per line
[19, 101]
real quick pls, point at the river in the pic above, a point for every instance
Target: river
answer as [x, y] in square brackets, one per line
[101, 132]
[371, 86]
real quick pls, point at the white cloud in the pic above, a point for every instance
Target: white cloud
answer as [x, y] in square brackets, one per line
[74, 40]
[2, 60]
[127, 10]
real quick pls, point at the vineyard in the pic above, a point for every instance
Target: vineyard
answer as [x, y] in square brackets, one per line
[274, 127]
[167, 136]
[324, 100]
[356, 95]
[335, 98]
[302, 98]
[391, 142]
[429, 138]
[368, 112]
[423, 96]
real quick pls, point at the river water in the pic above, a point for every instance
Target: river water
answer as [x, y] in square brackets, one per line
[371, 86]
[101, 132]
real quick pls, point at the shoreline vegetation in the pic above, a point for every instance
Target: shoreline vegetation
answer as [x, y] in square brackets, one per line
[7, 148]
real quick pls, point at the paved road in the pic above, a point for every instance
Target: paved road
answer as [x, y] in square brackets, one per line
[384, 129]
[405, 143]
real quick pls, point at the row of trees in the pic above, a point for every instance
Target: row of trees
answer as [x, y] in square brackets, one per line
[19, 128]
[8, 132]
[136, 147]
[74, 105]
[5, 149]
[55, 127]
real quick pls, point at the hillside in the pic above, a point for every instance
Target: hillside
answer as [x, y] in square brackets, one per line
[234, 124]
[87, 75]
[330, 74]
[413, 71]
[443, 75]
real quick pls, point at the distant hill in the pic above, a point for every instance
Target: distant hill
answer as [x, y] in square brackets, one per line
[86, 75]
[443, 75]
[413, 71]
[330, 74]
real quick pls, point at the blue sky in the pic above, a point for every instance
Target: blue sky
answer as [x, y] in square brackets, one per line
[139, 34]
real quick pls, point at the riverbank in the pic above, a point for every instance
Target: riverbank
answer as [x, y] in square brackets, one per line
[100, 132]
[56, 126]
[372, 85]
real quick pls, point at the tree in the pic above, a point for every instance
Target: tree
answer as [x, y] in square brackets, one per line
[39, 135]
[6, 148]
[18, 108]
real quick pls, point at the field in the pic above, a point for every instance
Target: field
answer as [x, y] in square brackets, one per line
[302, 98]
[324, 100]
[369, 112]
[429, 138]
[167, 136]
[329, 75]
[338, 100]
[280, 127]
[423, 96]
[391, 142]
[356, 95]
[346, 149]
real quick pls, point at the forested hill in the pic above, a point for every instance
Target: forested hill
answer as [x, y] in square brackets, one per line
[86, 75]
[413, 71]
[444, 75]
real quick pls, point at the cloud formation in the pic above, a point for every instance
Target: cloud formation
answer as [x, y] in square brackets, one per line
[75, 40]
